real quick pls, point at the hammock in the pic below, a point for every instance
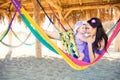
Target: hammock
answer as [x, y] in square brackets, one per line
[10, 28]
[111, 29]
[68, 42]
[44, 39]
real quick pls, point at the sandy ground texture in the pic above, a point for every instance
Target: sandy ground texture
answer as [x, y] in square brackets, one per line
[50, 67]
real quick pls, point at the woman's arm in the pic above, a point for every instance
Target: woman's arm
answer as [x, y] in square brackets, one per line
[52, 34]
[93, 55]
[90, 40]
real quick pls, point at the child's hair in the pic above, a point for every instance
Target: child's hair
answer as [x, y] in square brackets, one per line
[78, 24]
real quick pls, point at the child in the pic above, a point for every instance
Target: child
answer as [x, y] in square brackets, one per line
[80, 38]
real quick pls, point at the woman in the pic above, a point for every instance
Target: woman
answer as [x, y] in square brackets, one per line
[96, 42]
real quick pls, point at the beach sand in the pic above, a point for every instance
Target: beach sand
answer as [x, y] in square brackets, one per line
[22, 64]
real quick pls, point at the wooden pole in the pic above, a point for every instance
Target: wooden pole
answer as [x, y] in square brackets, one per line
[37, 19]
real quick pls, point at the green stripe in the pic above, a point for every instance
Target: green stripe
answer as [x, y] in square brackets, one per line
[4, 34]
[37, 35]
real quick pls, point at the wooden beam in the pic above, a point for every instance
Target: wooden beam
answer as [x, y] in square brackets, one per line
[80, 1]
[90, 7]
[54, 5]
[5, 3]
[68, 13]
[69, 10]
[3, 10]
[58, 8]
[108, 1]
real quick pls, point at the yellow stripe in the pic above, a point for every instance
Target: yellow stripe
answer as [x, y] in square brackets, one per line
[40, 31]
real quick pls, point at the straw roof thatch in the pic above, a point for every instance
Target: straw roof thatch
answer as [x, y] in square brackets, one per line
[77, 9]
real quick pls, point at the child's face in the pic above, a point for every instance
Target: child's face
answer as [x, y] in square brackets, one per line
[82, 29]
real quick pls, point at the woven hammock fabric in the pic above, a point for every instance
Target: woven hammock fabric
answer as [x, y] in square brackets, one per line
[68, 42]
[44, 39]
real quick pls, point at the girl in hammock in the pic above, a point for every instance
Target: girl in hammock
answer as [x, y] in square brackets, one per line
[96, 42]
[80, 38]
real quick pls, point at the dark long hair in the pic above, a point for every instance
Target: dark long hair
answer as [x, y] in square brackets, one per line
[100, 33]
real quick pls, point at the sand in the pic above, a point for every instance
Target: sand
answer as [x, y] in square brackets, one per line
[53, 67]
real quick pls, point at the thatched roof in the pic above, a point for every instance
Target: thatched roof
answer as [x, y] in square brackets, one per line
[69, 9]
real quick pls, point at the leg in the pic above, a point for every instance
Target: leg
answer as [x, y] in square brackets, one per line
[81, 56]
[53, 34]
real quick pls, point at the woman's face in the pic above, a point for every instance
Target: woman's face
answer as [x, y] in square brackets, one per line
[90, 30]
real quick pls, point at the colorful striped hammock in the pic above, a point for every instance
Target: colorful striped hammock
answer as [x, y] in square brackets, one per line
[44, 39]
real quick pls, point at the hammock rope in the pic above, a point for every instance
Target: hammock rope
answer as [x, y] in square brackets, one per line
[111, 29]
[44, 39]
[23, 42]
[49, 17]
[57, 17]
[9, 26]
